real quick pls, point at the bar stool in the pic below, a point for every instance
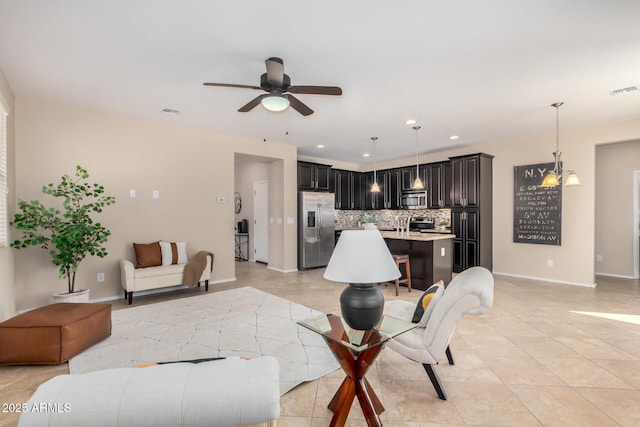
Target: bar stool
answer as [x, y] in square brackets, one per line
[403, 259]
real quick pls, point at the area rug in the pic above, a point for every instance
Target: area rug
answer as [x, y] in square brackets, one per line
[243, 322]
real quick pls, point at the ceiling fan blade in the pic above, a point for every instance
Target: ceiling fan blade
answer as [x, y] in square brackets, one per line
[315, 90]
[251, 104]
[299, 106]
[232, 85]
[275, 71]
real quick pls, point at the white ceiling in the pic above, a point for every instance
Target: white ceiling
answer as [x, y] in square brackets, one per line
[483, 70]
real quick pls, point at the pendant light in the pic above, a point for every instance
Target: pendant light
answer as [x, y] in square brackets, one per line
[375, 188]
[417, 184]
[552, 178]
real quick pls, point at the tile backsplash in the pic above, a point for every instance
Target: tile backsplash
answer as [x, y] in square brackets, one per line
[388, 218]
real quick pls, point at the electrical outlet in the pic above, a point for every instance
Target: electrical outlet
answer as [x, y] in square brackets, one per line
[549, 263]
[599, 258]
[100, 277]
[132, 193]
[156, 194]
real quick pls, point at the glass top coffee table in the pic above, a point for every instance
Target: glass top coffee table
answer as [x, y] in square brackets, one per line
[355, 351]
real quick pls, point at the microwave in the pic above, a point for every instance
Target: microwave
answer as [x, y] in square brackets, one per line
[413, 199]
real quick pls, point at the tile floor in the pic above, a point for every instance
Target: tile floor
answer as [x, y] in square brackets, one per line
[546, 354]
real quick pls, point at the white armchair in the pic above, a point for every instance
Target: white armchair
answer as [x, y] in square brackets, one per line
[470, 292]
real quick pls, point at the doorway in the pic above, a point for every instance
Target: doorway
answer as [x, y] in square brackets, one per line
[261, 221]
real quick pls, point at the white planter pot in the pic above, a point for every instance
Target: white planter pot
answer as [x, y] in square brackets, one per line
[79, 296]
[369, 226]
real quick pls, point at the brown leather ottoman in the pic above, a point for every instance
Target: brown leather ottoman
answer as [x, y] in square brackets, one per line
[54, 333]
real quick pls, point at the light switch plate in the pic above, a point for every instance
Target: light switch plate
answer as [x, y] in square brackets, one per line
[220, 199]
[132, 193]
[156, 194]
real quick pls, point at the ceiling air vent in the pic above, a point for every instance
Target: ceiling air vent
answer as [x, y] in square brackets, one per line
[624, 90]
[170, 111]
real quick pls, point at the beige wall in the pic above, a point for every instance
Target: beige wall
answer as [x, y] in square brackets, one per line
[615, 166]
[7, 297]
[189, 167]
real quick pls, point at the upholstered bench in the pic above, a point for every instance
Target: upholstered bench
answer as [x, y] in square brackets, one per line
[220, 393]
[54, 333]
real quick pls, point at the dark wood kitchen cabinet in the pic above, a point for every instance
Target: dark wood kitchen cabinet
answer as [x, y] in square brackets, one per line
[392, 189]
[313, 176]
[408, 176]
[374, 200]
[471, 211]
[439, 183]
[348, 189]
[389, 195]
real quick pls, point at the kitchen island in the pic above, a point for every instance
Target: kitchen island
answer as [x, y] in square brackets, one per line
[430, 255]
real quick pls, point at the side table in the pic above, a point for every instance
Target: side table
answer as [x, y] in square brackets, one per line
[355, 351]
[242, 239]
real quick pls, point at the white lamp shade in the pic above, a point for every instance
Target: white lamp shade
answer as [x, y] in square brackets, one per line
[361, 256]
[275, 102]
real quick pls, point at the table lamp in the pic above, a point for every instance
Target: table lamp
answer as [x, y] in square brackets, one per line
[362, 259]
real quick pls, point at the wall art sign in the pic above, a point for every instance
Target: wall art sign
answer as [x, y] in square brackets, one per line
[537, 211]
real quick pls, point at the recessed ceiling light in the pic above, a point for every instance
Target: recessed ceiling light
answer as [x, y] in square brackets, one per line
[410, 122]
[453, 137]
[624, 90]
[366, 155]
[319, 146]
[170, 111]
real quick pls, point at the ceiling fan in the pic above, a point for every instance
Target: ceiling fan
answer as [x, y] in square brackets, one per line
[279, 90]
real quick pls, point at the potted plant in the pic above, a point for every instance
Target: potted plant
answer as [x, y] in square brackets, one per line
[443, 224]
[69, 235]
[369, 221]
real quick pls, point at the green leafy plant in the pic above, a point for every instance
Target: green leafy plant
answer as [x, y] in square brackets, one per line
[443, 223]
[71, 234]
[369, 218]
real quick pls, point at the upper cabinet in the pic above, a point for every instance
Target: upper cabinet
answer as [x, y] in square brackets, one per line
[466, 179]
[348, 188]
[313, 176]
[407, 176]
[439, 183]
[389, 195]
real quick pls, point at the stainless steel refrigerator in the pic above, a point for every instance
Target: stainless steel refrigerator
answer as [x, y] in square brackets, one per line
[316, 229]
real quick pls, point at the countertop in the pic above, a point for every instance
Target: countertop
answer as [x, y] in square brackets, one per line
[414, 235]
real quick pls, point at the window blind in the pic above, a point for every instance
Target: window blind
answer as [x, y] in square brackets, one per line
[4, 185]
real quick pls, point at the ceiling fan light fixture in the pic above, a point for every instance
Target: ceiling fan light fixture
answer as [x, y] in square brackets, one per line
[275, 103]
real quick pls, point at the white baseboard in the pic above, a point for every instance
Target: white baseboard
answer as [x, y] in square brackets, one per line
[279, 270]
[619, 276]
[544, 279]
[160, 290]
